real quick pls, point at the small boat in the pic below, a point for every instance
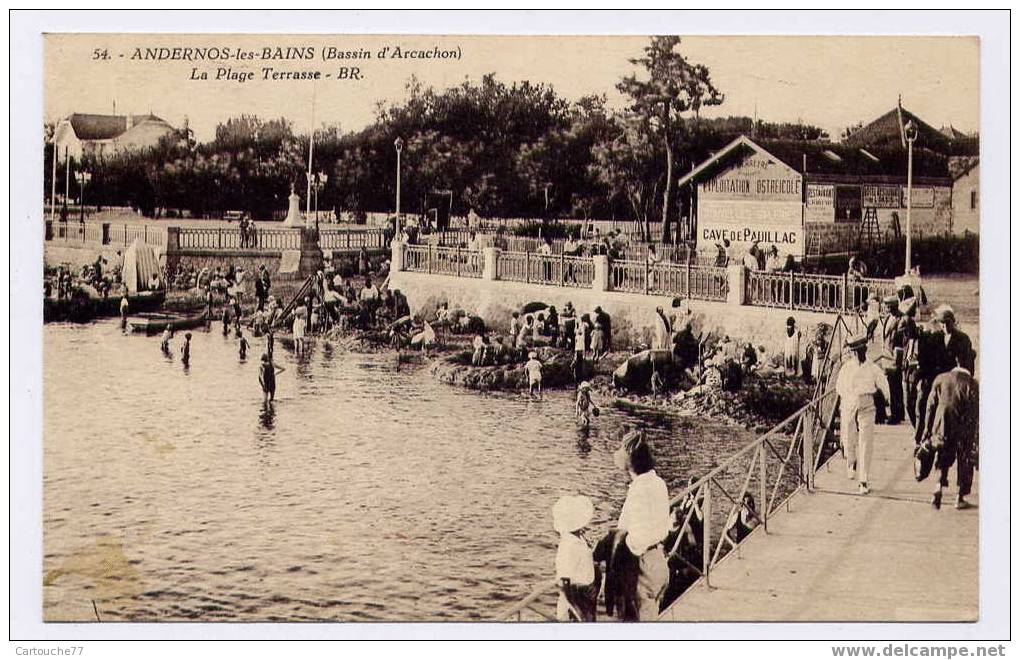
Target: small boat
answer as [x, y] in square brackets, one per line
[84, 308]
[152, 323]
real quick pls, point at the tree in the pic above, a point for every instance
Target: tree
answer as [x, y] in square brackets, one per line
[626, 166]
[675, 86]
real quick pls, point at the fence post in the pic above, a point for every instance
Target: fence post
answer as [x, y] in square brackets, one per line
[563, 269]
[125, 234]
[807, 432]
[430, 258]
[763, 506]
[219, 238]
[490, 267]
[791, 289]
[688, 275]
[706, 534]
[846, 289]
[458, 260]
[527, 267]
[647, 275]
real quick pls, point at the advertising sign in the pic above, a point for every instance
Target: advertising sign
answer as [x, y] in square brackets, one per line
[820, 204]
[756, 177]
[920, 198]
[881, 197]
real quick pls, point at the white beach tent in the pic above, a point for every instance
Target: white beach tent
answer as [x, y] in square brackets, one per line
[140, 263]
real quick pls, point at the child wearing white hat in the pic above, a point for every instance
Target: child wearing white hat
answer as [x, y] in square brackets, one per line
[534, 368]
[575, 568]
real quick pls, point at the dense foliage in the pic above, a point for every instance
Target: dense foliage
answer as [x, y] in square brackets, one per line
[503, 149]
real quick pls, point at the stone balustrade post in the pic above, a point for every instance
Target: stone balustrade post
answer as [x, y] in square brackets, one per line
[396, 256]
[600, 281]
[173, 239]
[736, 276]
[490, 256]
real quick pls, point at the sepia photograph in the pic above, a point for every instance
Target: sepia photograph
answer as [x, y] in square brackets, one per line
[356, 328]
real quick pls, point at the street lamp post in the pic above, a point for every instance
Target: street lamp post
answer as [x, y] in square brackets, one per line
[319, 179]
[910, 133]
[398, 144]
[86, 177]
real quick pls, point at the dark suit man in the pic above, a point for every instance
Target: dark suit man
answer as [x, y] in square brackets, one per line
[951, 426]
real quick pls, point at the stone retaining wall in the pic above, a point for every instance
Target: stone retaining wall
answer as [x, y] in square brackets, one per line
[632, 315]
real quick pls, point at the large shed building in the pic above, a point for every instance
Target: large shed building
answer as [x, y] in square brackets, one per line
[809, 198]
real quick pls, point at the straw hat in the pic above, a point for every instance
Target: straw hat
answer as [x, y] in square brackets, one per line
[532, 355]
[572, 512]
[585, 385]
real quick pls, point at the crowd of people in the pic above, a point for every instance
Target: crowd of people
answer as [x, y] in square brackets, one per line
[924, 373]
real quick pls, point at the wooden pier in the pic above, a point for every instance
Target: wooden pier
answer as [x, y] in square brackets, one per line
[837, 556]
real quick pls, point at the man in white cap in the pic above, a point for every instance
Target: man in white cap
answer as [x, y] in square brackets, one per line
[645, 519]
[575, 568]
[858, 381]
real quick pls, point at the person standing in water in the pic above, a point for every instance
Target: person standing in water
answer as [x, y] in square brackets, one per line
[186, 349]
[242, 345]
[267, 377]
[225, 317]
[123, 311]
[164, 343]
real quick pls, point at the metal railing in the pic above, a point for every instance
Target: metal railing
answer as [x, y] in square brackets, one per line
[351, 239]
[820, 293]
[104, 233]
[443, 261]
[756, 481]
[202, 238]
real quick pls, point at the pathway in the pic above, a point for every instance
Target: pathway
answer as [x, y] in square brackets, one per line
[838, 556]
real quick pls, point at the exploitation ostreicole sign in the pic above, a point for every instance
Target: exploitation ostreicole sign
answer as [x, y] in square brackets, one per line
[757, 176]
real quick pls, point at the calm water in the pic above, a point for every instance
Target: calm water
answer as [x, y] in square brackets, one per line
[367, 492]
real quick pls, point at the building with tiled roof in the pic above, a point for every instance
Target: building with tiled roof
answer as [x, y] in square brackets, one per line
[81, 133]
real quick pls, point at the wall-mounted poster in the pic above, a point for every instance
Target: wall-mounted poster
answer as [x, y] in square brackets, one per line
[921, 198]
[848, 203]
[881, 197]
[820, 203]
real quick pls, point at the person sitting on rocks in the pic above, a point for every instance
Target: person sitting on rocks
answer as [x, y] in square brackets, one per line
[527, 332]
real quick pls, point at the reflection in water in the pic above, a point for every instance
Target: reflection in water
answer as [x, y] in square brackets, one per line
[267, 415]
[364, 492]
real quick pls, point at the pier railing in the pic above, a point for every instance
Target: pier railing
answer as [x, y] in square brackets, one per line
[751, 486]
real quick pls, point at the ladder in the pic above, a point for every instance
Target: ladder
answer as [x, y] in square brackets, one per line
[870, 232]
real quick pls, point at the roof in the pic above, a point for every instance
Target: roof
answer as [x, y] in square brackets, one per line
[828, 162]
[886, 131]
[106, 127]
[960, 167]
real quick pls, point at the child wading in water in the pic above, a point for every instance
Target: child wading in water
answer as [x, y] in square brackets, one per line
[534, 369]
[267, 377]
[585, 407]
[164, 344]
[242, 345]
[186, 349]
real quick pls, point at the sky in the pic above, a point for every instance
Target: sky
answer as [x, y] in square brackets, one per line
[830, 82]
